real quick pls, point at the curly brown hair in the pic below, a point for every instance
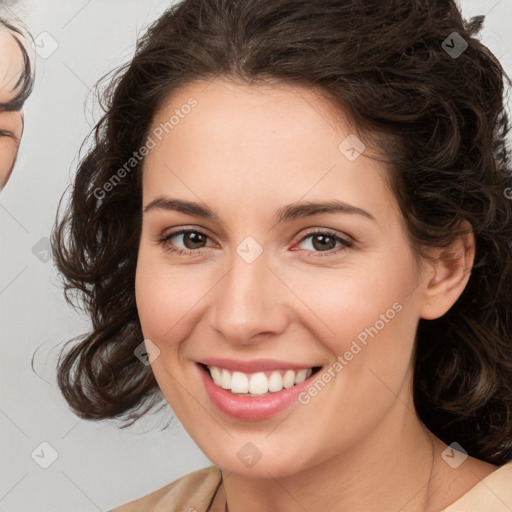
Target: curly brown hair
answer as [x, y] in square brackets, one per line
[440, 120]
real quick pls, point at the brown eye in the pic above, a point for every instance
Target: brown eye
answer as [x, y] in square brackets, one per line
[192, 240]
[324, 242]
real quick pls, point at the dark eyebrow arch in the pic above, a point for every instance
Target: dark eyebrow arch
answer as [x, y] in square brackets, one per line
[305, 209]
[178, 205]
[287, 213]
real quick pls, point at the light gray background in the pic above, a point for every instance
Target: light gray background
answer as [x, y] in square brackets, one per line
[98, 466]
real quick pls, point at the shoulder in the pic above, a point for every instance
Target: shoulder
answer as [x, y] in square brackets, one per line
[494, 492]
[192, 492]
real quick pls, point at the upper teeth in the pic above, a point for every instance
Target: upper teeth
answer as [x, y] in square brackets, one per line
[258, 383]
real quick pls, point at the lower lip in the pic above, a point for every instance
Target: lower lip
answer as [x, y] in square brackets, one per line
[256, 408]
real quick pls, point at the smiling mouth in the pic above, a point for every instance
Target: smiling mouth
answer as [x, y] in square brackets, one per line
[259, 383]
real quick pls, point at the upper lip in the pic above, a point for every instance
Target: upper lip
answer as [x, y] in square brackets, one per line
[255, 365]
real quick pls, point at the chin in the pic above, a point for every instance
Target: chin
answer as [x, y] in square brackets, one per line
[252, 462]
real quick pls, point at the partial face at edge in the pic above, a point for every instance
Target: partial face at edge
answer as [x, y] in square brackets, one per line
[245, 152]
[11, 123]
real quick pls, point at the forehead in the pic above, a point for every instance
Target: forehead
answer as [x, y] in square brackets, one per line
[270, 108]
[244, 119]
[11, 64]
[265, 143]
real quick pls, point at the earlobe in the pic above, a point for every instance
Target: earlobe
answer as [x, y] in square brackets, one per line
[450, 275]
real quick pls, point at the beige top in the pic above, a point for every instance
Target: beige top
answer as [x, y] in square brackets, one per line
[202, 491]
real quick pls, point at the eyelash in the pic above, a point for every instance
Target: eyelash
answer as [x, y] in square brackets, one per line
[346, 244]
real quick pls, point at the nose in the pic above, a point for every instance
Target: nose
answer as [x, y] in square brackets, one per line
[249, 302]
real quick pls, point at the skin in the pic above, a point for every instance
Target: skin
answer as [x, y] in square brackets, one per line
[11, 123]
[245, 151]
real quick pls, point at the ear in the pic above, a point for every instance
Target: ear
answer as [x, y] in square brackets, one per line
[451, 271]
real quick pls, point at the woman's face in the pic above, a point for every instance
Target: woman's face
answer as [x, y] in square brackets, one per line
[254, 290]
[11, 123]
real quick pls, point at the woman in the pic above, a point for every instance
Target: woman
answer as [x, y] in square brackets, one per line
[293, 226]
[16, 83]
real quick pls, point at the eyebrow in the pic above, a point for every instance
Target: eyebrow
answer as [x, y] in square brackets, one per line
[287, 213]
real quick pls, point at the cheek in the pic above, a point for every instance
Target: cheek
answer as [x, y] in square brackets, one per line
[154, 296]
[8, 149]
[165, 296]
[346, 303]
[368, 326]
[366, 316]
